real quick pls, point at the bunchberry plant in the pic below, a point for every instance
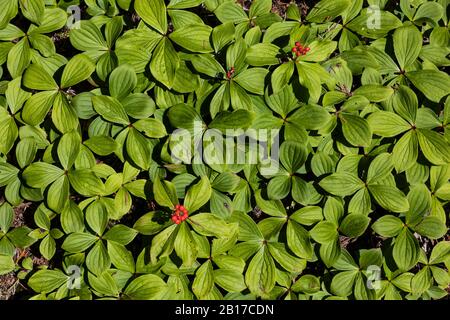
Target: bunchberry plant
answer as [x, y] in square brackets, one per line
[136, 138]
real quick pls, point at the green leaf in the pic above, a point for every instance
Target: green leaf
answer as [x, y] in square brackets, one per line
[46, 281]
[146, 287]
[422, 281]
[8, 134]
[110, 109]
[324, 232]
[150, 223]
[388, 226]
[341, 184]
[165, 62]
[222, 35]
[374, 92]
[19, 58]
[434, 146]
[330, 252]
[387, 124]
[310, 117]
[229, 11]
[195, 38]
[97, 260]
[53, 19]
[230, 280]
[248, 230]
[47, 247]
[262, 54]
[239, 119]
[64, 116]
[37, 107]
[184, 116]
[204, 280]
[285, 259]
[6, 264]
[72, 219]
[440, 252]
[78, 69]
[35, 77]
[121, 258]
[279, 187]
[78, 242]
[326, 9]
[252, 80]
[165, 193]
[185, 245]
[41, 174]
[356, 130]
[406, 250]
[33, 10]
[97, 217]
[319, 51]
[308, 215]
[292, 155]
[374, 23]
[69, 148]
[260, 275]
[405, 152]
[122, 81]
[58, 194]
[405, 103]
[183, 4]
[121, 234]
[380, 168]
[102, 145]
[342, 283]
[354, 225]
[431, 227]
[434, 84]
[86, 182]
[198, 195]
[153, 12]
[151, 127]
[87, 37]
[407, 45]
[308, 284]
[208, 224]
[6, 217]
[138, 149]
[104, 284]
[281, 76]
[390, 198]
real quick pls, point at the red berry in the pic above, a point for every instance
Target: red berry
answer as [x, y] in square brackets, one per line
[297, 53]
[297, 44]
[294, 49]
[177, 206]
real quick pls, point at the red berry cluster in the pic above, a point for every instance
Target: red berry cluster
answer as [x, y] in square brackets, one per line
[180, 214]
[230, 73]
[299, 49]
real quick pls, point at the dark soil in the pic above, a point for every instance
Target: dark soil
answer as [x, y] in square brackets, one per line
[8, 285]
[19, 214]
